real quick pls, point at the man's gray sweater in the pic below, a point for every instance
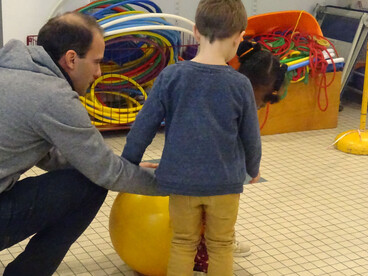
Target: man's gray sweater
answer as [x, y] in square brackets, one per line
[41, 114]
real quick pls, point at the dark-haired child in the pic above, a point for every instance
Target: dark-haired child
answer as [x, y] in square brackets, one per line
[264, 71]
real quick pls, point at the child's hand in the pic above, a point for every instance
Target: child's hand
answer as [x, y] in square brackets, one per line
[255, 179]
[148, 165]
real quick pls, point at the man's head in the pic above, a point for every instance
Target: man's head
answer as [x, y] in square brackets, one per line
[75, 41]
[220, 19]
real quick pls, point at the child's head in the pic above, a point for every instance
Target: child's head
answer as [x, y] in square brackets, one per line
[264, 71]
[220, 19]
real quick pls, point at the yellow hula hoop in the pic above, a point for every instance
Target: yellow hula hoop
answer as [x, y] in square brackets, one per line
[108, 115]
[122, 77]
[111, 110]
[121, 119]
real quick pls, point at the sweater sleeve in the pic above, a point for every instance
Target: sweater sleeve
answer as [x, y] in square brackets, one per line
[65, 124]
[146, 124]
[250, 134]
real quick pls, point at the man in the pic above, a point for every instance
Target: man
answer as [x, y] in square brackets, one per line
[43, 123]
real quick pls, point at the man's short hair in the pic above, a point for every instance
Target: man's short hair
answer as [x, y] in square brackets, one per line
[70, 31]
[219, 19]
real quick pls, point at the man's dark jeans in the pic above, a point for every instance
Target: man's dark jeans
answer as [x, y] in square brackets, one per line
[57, 207]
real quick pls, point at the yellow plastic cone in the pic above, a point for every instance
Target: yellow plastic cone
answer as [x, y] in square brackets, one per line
[356, 141]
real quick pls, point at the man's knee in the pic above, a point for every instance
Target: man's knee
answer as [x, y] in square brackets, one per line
[75, 188]
[89, 190]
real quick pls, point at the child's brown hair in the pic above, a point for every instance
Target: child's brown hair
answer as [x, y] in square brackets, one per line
[220, 19]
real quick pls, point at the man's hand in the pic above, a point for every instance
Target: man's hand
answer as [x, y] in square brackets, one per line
[255, 179]
[148, 165]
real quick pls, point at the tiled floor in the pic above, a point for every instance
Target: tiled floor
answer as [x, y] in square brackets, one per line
[309, 218]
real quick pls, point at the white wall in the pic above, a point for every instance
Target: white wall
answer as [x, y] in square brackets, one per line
[187, 7]
[265, 6]
[1, 25]
[26, 17]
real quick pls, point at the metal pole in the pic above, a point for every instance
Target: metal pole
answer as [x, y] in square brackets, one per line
[363, 113]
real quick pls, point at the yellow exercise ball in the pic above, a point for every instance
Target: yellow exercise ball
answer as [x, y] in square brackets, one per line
[140, 232]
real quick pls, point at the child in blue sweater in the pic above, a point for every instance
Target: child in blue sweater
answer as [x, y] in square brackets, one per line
[212, 139]
[266, 75]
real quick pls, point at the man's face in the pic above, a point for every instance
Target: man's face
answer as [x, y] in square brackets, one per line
[87, 69]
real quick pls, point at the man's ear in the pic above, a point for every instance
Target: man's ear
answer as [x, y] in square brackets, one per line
[69, 59]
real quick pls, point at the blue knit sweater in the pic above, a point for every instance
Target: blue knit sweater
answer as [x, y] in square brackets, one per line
[212, 133]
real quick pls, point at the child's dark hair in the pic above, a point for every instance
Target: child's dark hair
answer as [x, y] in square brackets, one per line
[262, 68]
[219, 19]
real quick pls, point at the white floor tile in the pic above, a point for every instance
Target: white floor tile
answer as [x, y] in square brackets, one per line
[310, 216]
